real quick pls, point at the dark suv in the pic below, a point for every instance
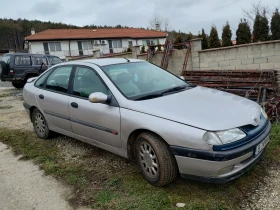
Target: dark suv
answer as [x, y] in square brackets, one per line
[18, 67]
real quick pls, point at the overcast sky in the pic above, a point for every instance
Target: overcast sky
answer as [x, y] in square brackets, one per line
[183, 15]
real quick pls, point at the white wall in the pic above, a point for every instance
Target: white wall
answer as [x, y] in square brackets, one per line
[37, 47]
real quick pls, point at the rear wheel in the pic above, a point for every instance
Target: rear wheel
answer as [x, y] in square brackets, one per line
[40, 124]
[18, 85]
[156, 161]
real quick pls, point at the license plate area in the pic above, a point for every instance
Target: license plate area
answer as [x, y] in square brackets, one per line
[261, 145]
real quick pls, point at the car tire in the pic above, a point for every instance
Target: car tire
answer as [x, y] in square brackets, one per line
[155, 159]
[4, 69]
[40, 124]
[18, 85]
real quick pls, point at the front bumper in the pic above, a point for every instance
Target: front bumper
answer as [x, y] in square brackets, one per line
[208, 165]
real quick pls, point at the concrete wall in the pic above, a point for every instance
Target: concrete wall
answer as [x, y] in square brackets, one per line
[258, 56]
[176, 61]
[255, 56]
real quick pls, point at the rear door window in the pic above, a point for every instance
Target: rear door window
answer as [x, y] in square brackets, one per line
[22, 60]
[6, 59]
[59, 79]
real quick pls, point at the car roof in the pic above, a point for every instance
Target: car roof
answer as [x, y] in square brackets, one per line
[25, 54]
[108, 61]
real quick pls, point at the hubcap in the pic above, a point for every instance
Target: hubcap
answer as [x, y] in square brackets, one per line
[148, 159]
[40, 125]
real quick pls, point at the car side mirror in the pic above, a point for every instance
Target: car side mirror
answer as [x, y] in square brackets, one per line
[30, 80]
[182, 77]
[99, 97]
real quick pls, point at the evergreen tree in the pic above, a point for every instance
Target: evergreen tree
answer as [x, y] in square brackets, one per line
[275, 25]
[226, 36]
[243, 33]
[204, 40]
[261, 29]
[214, 41]
[178, 40]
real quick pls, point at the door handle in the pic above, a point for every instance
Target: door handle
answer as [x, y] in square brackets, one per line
[74, 105]
[41, 96]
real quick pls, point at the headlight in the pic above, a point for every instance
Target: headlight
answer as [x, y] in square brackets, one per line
[263, 113]
[223, 137]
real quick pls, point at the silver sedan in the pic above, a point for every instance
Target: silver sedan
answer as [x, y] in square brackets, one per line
[140, 111]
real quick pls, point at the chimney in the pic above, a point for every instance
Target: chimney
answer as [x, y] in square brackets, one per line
[157, 26]
[32, 31]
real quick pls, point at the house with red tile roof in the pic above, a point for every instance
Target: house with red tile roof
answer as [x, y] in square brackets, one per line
[79, 42]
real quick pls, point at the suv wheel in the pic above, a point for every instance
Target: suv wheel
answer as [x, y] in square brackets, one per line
[156, 161]
[18, 85]
[40, 124]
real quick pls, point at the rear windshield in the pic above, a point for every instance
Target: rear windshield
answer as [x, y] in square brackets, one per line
[6, 59]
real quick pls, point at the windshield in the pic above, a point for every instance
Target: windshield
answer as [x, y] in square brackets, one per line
[137, 80]
[6, 59]
[54, 60]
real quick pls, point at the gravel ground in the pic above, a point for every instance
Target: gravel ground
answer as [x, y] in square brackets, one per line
[267, 194]
[5, 84]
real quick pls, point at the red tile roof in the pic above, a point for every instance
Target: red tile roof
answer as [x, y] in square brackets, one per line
[66, 34]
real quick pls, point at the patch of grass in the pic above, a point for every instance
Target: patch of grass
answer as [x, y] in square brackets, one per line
[5, 107]
[103, 180]
[5, 95]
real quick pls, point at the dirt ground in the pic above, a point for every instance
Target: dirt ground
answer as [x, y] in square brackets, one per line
[28, 188]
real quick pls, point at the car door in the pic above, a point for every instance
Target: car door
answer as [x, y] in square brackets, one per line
[53, 98]
[22, 65]
[95, 121]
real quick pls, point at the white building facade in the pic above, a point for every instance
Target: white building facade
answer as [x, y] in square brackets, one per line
[109, 41]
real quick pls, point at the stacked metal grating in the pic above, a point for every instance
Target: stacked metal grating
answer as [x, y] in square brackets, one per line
[258, 85]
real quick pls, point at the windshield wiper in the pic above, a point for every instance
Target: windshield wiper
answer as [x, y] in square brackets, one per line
[170, 90]
[150, 96]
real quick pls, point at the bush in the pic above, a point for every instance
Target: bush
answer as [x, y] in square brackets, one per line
[143, 49]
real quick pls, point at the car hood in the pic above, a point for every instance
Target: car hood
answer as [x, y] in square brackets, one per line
[204, 108]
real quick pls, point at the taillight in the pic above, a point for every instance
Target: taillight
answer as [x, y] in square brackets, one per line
[11, 72]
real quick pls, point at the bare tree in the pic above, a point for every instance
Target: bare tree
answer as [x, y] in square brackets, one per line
[257, 8]
[163, 23]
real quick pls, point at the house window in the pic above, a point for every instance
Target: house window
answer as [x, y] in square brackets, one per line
[130, 44]
[87, 45]
[149, 42]
[117, 43]
[54, 46]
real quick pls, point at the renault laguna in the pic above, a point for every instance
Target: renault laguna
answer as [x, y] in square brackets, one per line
[139, 111]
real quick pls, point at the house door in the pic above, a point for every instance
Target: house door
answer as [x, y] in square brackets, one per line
[46, 48]
[80, 47]
[110, 46]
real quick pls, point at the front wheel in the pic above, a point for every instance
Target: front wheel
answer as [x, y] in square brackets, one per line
[40, 124]
[156, 161]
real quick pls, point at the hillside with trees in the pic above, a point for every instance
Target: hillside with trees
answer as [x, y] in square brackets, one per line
[12, 32]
